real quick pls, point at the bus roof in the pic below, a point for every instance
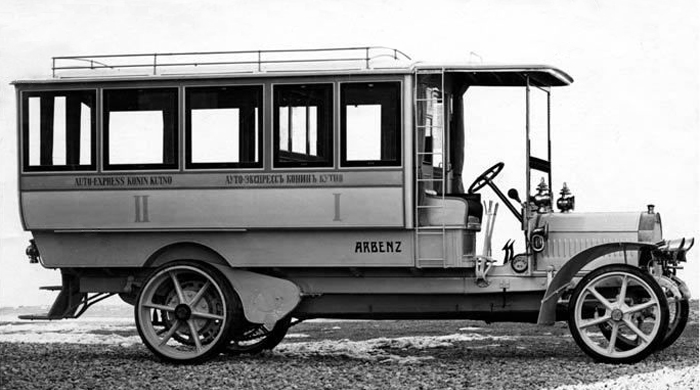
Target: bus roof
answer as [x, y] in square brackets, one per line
[286, 63]
[501, 75]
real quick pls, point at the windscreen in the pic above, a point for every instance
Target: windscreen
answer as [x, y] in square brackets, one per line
[538, 121]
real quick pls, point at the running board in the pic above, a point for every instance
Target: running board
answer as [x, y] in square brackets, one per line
[38, 317]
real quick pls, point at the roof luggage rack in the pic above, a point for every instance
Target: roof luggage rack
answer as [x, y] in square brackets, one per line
[245, 61]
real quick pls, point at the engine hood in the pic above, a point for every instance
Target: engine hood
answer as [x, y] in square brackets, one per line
[636, 226]
[568, 234]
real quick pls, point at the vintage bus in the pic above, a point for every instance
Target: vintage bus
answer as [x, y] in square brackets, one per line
[229, 195]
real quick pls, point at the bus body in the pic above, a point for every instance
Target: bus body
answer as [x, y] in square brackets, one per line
[321, 184]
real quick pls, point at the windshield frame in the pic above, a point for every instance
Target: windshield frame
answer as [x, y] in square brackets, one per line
[535, 163]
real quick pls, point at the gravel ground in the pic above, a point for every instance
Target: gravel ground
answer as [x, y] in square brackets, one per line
[446, 355]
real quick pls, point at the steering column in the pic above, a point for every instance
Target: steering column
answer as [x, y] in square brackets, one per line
[486, 179]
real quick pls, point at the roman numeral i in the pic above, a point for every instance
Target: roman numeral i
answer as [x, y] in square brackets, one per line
[141, 208]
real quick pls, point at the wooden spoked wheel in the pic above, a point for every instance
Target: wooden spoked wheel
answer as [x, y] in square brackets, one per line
[628, 301]
[185, 311]
[678, 311]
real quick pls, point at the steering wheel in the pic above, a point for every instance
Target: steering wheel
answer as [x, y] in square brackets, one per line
[485, 178]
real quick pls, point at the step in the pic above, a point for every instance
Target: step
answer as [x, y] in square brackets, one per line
[431, 180]
[38, 317]
[51, 288]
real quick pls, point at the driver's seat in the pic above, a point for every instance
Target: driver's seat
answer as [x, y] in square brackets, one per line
[460, 210]
[474, 207]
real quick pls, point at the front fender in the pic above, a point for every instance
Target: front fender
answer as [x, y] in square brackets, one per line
[566, 273]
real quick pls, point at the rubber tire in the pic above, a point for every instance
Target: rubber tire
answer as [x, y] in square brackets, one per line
[660, 296]
[275, 336]
[232, 304]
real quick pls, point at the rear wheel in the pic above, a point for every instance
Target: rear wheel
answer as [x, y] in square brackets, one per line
[256, 338]
[185, 312]
[628, 301]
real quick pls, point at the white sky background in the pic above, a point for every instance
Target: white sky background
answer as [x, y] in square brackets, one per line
[625, 133]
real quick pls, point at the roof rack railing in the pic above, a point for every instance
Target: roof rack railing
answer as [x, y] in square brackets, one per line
[237, 61]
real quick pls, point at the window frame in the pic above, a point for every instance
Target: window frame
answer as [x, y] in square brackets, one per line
[24, 136]
[331, 142]
[187, 127]
[176, 141]
[342, 124]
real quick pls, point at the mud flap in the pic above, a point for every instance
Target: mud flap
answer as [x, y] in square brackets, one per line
[265, 299]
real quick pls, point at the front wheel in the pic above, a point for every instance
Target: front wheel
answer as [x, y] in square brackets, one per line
[627, 301]
[679, 309]
[185, 312]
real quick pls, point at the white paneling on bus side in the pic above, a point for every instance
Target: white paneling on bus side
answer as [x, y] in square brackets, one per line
[268, 248]
[214, 208]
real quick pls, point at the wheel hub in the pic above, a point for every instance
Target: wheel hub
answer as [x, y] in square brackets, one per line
[616, 315]
[183, 312]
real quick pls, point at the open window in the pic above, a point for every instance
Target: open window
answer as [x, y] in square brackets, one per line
[140, 128]
[223, 127]
[431, 129]
[303, 126]
[370, 124]
[58, 131]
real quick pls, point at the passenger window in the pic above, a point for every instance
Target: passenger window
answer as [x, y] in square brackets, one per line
[140, 128]
[303, 125]
[370, 124]
[59, 131]
[224, 127]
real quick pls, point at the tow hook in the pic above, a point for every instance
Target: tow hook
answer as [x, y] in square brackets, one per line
[32, 252]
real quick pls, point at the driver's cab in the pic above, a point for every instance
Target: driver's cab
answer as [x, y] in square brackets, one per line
[452, 216]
